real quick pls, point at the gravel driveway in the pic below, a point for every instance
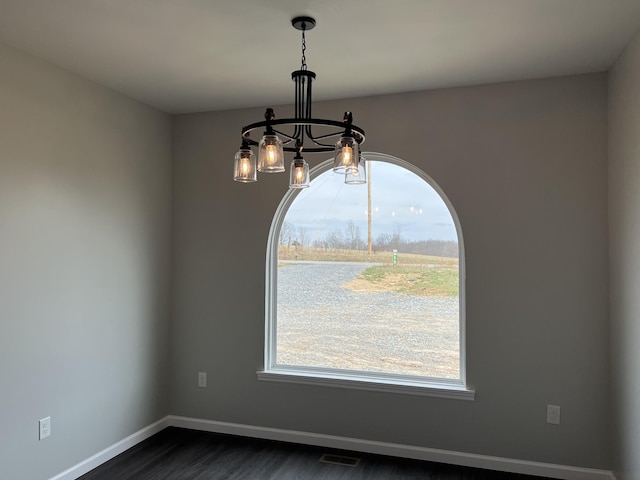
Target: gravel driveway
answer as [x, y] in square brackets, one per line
[323, 324]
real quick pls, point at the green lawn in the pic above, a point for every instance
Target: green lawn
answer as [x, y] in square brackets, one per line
[414, 280]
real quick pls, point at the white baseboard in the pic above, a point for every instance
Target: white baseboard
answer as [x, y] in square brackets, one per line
[396, 450]
[344, 443]
[110, 452]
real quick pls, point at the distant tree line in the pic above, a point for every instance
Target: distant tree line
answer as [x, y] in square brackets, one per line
[351, 239]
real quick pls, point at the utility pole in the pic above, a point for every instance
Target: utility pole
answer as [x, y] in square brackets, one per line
[369, 219]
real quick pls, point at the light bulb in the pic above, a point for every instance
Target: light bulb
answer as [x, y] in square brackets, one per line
[244, 166]
[347, 155]
[299, 177]
[244, 169]
[271, 154]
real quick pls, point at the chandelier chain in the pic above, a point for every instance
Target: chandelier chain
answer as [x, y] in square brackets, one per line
[304, 49]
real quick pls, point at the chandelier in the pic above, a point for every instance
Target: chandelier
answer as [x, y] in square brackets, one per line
[302, 134]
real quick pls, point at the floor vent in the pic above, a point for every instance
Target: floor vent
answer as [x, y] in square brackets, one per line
[340, 460]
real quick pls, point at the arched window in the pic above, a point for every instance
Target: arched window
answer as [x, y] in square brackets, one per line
[365, 284]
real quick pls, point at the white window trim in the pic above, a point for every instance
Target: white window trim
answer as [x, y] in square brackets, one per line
[402, 384]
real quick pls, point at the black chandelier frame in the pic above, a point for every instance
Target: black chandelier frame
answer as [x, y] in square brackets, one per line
[303, 120]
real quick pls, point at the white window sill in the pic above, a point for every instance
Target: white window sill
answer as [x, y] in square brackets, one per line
[377, 383]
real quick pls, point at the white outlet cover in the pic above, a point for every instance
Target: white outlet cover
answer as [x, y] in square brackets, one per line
[553, 414]
[45, 428]
[202, 379]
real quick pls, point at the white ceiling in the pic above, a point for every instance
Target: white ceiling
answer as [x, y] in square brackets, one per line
[197, 55]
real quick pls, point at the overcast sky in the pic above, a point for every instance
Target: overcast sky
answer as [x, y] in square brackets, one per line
[400, 200]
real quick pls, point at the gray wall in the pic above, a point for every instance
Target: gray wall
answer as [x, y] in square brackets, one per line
[624, 211]
[525, 166]
[85, 215]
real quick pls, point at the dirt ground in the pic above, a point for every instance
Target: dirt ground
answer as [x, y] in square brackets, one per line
[322, 323]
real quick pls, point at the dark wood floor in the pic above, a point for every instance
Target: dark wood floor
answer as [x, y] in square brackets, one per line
[180, 454]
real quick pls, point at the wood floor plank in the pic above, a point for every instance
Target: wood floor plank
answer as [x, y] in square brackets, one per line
[182, 454]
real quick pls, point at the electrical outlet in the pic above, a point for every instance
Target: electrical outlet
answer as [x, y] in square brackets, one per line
[45, 428]
[553, 414]
[202, 379]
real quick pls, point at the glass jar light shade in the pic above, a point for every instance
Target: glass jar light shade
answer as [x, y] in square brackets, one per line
[357, 177]
[347, 155]
[270, 154]
[299, 177]
[244, 167]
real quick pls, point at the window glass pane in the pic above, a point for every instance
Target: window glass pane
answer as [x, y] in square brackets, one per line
[368, 277]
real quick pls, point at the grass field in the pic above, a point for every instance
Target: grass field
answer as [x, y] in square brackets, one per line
[340, 255]
[422, 275]
[416, 280]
